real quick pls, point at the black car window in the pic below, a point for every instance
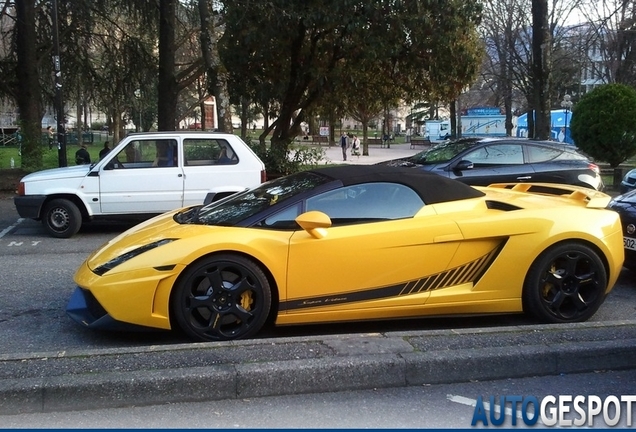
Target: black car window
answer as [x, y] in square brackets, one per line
[440, 153]
[538, 154]
[496, 154]
[367, 202]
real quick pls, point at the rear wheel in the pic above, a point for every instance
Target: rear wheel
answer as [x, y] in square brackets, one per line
[566, 283]
[223, 297]
[61, 218]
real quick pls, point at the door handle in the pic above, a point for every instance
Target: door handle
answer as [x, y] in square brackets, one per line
[179, 175]
[524, 178]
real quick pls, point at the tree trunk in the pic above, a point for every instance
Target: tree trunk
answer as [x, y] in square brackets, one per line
[541, 67]
[365, 142]
[455, 127]
[244, 112]
[28, 86]
[167, 86]
[217, 77]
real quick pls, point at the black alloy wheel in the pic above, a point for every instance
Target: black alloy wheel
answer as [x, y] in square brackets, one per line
[566, 283]
[222, 297]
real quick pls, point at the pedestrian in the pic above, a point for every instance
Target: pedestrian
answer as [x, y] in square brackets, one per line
[103, 152]
[82, 156]
[18, 138]
[50, 136]
[344, 144]
[355, 146]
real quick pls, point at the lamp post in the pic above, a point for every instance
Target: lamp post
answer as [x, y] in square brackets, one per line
[138, 97]
[566, 103]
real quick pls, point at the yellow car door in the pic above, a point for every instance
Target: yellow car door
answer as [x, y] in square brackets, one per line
[375, 254]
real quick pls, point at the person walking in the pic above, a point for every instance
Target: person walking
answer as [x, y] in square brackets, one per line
[50, 136]
[103, 152]
[82, 156]
[355, 146]
[344, 144]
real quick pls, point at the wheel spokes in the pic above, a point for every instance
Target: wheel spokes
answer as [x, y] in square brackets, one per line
[565, 283]
[221, 303]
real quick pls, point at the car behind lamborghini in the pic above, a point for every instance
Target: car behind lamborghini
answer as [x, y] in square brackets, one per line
[480, 161]
[352, 243]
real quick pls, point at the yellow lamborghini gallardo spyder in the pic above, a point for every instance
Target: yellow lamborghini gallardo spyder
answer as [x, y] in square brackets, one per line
[356, 243]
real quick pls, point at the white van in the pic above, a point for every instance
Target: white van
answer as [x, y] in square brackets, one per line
[145, 174]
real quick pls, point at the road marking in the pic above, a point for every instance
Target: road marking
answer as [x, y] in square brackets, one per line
[473, 403]
[6, 230]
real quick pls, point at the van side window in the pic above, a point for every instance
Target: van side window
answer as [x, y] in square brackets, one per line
[208, 152]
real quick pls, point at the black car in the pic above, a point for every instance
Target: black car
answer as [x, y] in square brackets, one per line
[483, 161]
[629, 181]
[625, 205]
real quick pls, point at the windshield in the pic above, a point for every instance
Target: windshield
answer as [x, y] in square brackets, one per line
[440, 153]
[242, 205]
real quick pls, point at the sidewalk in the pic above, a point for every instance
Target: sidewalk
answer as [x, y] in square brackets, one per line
[333, 154]
[105, 378]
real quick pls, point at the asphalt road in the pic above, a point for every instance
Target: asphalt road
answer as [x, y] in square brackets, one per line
[431, 406]
[37, 281]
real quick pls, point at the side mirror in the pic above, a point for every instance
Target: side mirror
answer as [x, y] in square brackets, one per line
[464, 165]
[315, 223]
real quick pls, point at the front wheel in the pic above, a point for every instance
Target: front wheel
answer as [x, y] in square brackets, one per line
[223, 297]
[566, 283]
[61, 218]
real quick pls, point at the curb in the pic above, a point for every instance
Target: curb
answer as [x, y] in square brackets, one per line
[355, 362]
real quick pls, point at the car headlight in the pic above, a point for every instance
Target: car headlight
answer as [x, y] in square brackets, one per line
[129, 255]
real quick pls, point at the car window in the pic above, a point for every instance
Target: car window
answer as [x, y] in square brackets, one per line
[443, 152]
[146, 154]
[208, 152]
[367, 202]
[243, 205]
[538, 154]
[496, 154]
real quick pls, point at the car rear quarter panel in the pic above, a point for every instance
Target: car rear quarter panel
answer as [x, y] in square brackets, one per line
[529, 233]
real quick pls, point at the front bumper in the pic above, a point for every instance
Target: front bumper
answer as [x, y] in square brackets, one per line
[84, 309]
[29, 206]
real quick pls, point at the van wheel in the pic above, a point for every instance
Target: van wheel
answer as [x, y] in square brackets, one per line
[61, 218]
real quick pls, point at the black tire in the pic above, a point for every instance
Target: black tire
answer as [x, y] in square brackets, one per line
[61, 218]
[223, 297]
[566, 283]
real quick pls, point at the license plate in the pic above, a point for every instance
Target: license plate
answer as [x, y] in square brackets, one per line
[629, 243]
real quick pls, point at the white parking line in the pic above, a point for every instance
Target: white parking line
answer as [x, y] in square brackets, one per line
[473, 403]
[6, 230]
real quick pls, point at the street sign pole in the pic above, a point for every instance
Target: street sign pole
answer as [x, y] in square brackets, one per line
[59, 101]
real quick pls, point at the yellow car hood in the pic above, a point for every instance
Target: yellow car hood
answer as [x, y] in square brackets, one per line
[158, 228]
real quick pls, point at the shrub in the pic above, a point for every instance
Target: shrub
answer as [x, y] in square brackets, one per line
[603, 123]
[295, 159]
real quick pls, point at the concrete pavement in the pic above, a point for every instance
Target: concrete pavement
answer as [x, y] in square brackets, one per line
[80, 380]
[333, 154]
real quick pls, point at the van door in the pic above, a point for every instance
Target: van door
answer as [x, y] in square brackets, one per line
[145, 176]
[213, 162]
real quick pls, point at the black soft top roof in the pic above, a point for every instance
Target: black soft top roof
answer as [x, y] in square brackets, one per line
[432, 188]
